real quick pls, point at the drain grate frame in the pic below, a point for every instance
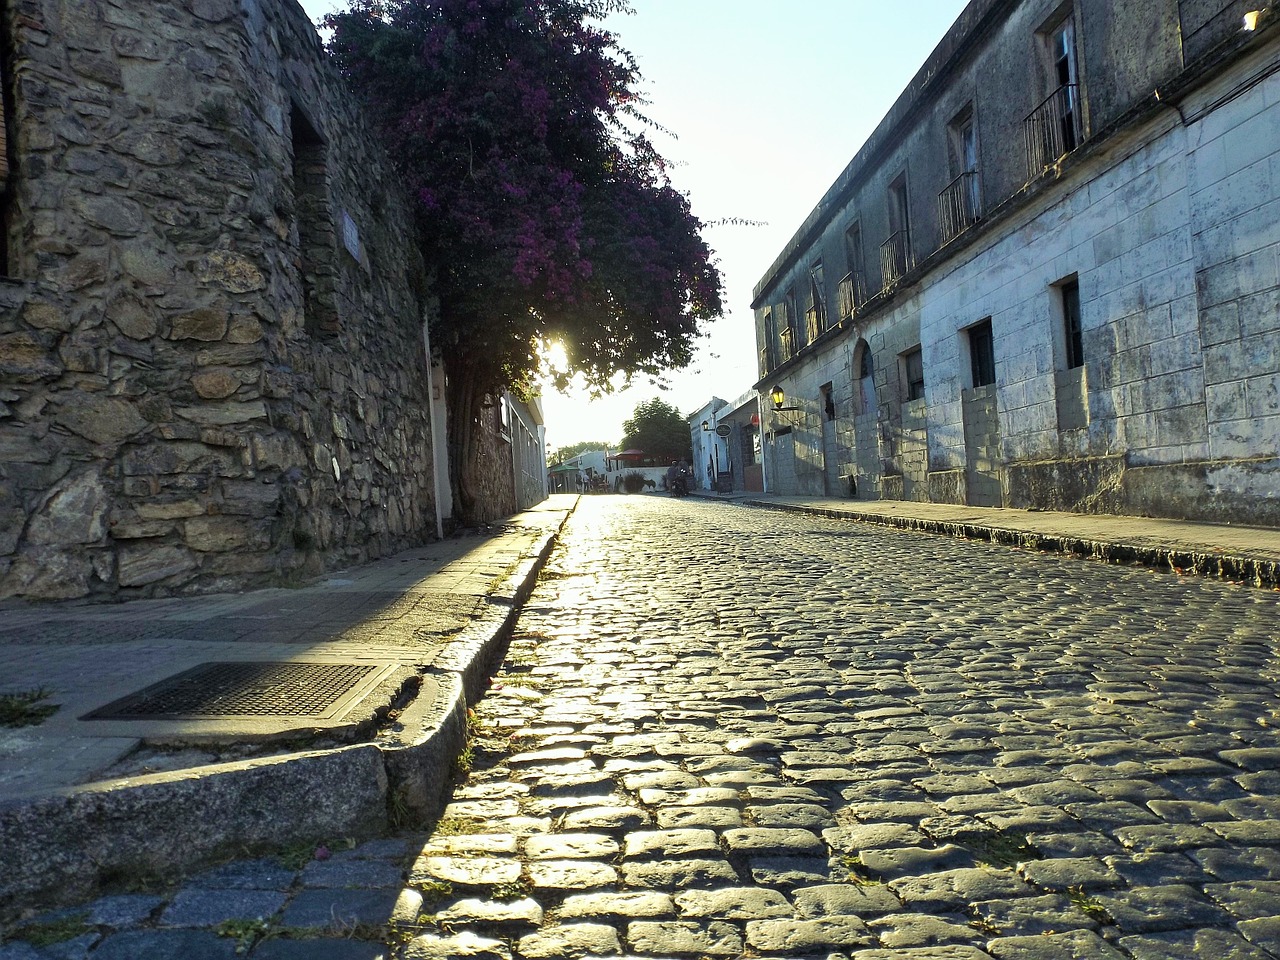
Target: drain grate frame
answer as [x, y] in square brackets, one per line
[224, 690]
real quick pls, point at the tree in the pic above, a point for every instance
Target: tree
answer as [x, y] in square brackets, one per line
[659, 429]
[562, 454]
[545, 211]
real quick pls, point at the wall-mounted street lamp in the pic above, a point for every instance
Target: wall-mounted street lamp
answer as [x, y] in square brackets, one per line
[779, 398]
[706, 426]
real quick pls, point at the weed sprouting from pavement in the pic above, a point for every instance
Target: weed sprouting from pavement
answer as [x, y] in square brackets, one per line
[515, 890]
[433, 890]
[56, 930]
[245, 932]
[1091, 907]
[25, 708]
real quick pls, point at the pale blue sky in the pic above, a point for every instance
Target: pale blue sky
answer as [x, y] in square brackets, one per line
[769, 99]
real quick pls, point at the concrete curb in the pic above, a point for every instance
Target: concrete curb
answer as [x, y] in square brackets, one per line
[1252, 570]
[62, 847]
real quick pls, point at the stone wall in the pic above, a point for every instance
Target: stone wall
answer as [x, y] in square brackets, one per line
[212, 365]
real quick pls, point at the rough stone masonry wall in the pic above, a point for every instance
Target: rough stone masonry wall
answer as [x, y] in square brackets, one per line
[172, 419]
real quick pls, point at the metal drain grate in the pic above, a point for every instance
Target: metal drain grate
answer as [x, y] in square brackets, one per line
[246, 689]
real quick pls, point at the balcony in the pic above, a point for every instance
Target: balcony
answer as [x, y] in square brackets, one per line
[851, 294]
[958, 205]
[1053, 129]
[894, 258]
[815, 322]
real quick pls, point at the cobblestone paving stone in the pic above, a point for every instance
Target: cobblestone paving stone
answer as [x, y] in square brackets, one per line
[726, 732]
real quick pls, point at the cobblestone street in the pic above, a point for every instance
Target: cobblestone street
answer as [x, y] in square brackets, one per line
[730, 732]
[726, 732]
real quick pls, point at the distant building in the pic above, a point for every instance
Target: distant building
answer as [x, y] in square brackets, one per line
[726, 444]
[1049, 278]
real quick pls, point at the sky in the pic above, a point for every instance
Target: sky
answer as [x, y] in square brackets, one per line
[768, 101]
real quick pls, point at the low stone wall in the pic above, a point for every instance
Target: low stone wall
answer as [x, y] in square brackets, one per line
[212, 364]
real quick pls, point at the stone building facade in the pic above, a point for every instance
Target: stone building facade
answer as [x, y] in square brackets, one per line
[213, 358]
[1049, 278]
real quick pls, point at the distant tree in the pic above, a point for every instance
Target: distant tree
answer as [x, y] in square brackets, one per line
[545, 212]
[561, 454]
[660, 430]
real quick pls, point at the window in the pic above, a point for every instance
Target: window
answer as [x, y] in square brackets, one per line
[816, 316]
[1074, 353]
[913, 373]
[853, 290]
[316, 235]
[769, 353]
[958, 204]
[828, 401]
[895, 253]
[982, 354]
[790, 321]
[1055, 127]
[1063, 77]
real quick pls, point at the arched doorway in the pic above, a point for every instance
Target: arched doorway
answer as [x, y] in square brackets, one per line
[866, 422]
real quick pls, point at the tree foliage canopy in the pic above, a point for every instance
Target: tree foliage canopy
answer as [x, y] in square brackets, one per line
[545, 209]
[571, 450]
[659, 429]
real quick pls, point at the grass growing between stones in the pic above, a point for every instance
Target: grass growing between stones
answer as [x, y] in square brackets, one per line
[47, 933]
[457, 827]
[434, 890]
[509, 892]
[26, 708]
[246, 933]
[996, 848]
[858, 873]
[1089, 906]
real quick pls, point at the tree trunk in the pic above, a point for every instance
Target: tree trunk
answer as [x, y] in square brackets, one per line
[464, 401]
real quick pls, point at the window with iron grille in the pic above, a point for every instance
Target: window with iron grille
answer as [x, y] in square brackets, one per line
[1074, 354]
[816, 315]
[791, 333]
[853, 289]
[1056, 126]
[913, 373]
[959, 203]
[769, 355]
[982, 354]
[895, 252]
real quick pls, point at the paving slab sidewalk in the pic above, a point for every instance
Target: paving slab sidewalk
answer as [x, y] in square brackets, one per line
[1234, 552]
[83, 798]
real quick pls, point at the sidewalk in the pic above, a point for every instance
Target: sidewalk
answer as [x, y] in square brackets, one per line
[1245, 554]
[328, 709]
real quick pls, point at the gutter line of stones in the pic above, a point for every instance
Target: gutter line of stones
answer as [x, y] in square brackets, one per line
[1251, 570]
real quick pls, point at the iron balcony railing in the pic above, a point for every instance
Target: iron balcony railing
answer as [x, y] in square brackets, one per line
[851, 294]
[958, 205]
[1053, 129]
[894, 258]
[815, 322]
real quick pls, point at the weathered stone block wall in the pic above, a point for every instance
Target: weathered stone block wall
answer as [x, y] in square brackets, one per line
[495, 466]
[171, 420]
